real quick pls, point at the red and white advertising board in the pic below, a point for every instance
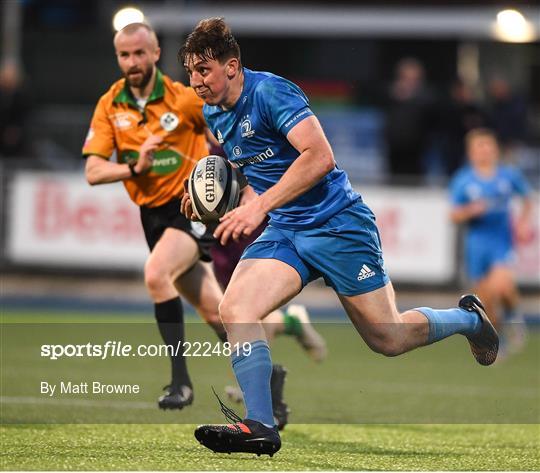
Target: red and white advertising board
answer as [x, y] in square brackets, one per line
[527, 258]
[419, 241]
[59, 220]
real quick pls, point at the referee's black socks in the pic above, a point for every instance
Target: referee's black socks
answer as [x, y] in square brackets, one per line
[170, 320]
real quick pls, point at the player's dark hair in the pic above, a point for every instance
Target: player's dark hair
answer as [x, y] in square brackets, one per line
[211, 39]
[477, 133]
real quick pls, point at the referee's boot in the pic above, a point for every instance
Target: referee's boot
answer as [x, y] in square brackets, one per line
[485, 344]
[279, 406]
[176, 397]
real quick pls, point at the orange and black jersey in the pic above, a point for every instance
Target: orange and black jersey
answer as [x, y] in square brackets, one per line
[172, 111]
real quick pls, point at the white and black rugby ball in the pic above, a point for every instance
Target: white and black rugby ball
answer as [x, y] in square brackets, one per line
[214, 188]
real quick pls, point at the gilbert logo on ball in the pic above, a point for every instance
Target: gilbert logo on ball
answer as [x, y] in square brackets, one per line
[214, 188]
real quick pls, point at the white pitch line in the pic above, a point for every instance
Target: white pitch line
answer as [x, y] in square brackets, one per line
[454, 390]
[78, 402]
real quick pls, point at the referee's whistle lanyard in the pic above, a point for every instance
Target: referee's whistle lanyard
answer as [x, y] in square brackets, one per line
[144, 124]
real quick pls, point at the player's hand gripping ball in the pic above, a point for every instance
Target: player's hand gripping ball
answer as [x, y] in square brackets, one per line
[214, 188]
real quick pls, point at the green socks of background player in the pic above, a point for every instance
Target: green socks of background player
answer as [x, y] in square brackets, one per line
[292, 325]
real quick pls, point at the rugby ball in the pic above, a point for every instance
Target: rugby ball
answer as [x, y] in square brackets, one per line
[214, 188]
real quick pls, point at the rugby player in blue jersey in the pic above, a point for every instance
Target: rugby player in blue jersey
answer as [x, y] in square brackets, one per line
[319, 227]
[481, 195]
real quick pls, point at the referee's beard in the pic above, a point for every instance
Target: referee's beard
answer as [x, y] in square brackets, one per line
[140, 80]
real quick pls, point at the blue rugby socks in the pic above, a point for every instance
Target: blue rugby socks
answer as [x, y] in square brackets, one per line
[253, 374]
[443, 323]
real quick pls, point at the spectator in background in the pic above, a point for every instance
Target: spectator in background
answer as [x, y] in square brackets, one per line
[481, 195]
[408, 119]
[13, 110]
[459, 115]
[507, 114]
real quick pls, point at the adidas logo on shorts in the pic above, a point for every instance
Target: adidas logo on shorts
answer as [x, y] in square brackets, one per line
[365, 273]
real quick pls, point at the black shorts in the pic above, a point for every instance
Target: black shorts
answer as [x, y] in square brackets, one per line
[155, 220]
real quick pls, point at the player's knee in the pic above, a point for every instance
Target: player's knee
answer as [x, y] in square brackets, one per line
[155, 279]
[231, 312]
[504, 286]
[386, 344]
[226, 311]
[390, 349]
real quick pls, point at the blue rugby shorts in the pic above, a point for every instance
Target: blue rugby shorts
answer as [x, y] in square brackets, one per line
[345, 251]
[483, 254]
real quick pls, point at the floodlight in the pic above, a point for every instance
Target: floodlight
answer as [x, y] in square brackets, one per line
[513, 27]
[126, 16]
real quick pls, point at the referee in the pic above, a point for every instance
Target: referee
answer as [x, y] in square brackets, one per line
[156, 129]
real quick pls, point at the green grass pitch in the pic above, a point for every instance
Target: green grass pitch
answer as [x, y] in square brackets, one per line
[432, 409]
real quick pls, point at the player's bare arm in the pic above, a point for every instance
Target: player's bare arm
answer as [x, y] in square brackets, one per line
[146, 153]
[212, 140]
[185, 205]
[464, 213]
[315, 161]
[99, 170]
[523, 229]
[248, 194]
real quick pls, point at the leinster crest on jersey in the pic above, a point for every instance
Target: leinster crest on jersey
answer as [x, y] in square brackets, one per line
[245, 125]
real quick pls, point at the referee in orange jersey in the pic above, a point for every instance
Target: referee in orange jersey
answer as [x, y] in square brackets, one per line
[157, 130]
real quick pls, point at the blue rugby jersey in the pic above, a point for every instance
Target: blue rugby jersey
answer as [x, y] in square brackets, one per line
[467, 186]
[253, 135]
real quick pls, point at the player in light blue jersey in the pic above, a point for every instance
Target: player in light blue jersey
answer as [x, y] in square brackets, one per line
[481, 195]
[319, 227]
